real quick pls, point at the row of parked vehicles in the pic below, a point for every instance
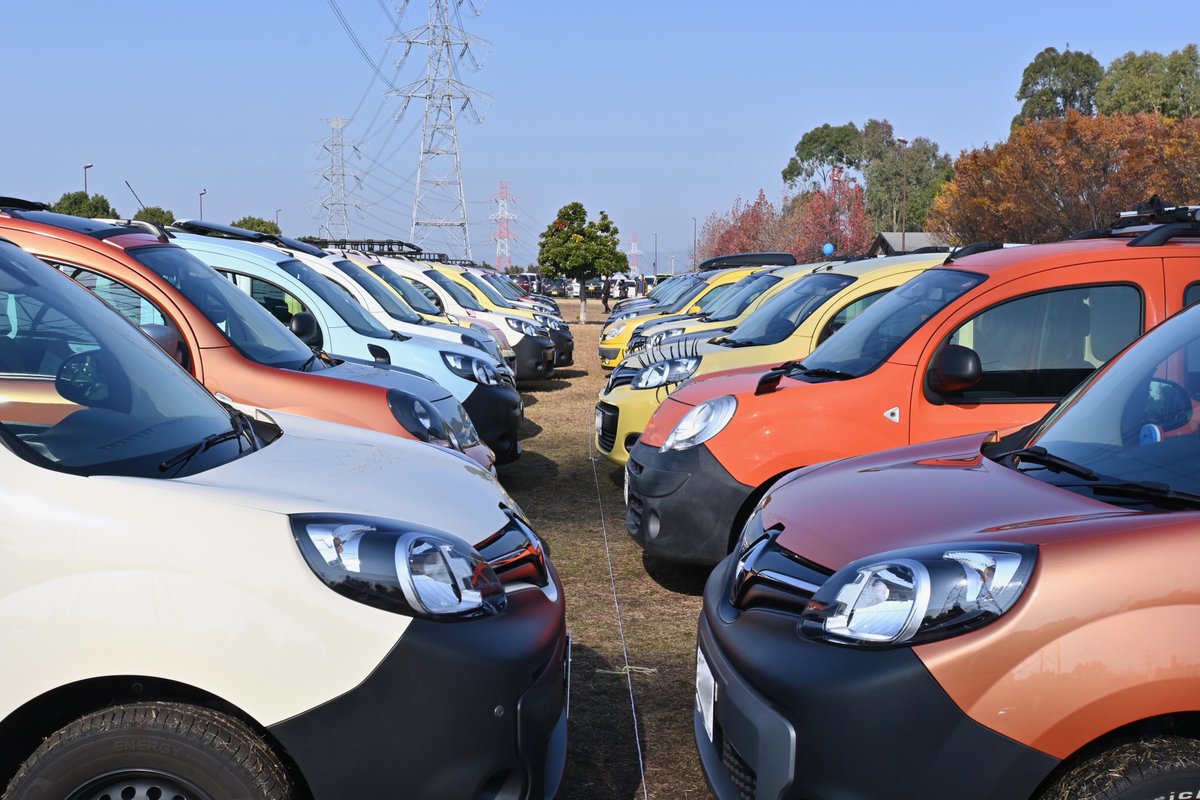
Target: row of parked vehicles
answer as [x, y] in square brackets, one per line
[255, 543]
[952, 513]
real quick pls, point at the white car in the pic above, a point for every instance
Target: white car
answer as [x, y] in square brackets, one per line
[199, 603]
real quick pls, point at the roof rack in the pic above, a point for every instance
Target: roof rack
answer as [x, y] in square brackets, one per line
[149, 227]
[379, 247]
[245, 235]
[747, 260]
[23, 205]
[1151, 223]
[971, 249]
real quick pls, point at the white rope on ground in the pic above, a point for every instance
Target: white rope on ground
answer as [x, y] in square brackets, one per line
[612, 577]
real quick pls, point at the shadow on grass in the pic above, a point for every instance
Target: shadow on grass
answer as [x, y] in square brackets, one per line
[528, 399]
[602, 754]
[547, 385]
[686, 579]
[567, 374]
[529, 429]
[616, 475]
[531, 471]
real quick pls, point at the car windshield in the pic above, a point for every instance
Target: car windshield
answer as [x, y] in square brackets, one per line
[488, 290]
[1133, 423]
[248, 326]
[350, 312]
[461, 294]
[685, 298]
[83, 391]
[673, 290]
[411, 294]
[740, 296]
[394, 307]
[779, 317]
[504, 286]
[872, 337]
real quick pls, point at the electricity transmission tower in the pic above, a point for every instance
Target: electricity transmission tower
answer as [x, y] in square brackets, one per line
[635, 263]
[503, 236]
[440, 205]
[335, 203]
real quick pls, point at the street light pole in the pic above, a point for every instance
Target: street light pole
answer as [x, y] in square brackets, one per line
[693, 244]
[202, 193]
[277, 216]
[656, 253]
[903, 195]
[86, 167]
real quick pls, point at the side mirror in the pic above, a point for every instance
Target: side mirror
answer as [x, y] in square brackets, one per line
[82, 379]
[955, 368]
[304, 325]
[166, 338]
[1167, 404]
[695, 309]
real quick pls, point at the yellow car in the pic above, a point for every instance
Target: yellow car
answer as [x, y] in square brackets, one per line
[787, 326]
[693, 296]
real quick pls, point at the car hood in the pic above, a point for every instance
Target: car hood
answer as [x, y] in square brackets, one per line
[944, 491]
[388, 377]
[662, 323]
[318, 466]
[743, 380]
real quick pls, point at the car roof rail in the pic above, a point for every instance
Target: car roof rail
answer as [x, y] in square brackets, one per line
[1165, 233]
[747, 260]
[23, 205]
[246, 235]
[379, 247]
[149, 227]
[970, 249]
[1151, 223]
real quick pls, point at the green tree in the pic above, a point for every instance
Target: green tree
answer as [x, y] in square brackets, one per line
[888, 195]
[822, 150]
[156, 214]
[257, 224]
[1055, 82]
[81, 204]
[577, 248]
[1152, 83]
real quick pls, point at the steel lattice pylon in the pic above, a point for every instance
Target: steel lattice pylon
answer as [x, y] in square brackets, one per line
[440, 204]
[503, 235]
[335, 203]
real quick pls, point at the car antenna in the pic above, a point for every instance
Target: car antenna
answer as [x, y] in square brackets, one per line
[135, 197]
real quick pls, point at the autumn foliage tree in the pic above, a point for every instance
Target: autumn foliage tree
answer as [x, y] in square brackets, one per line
[836, 215]
[1056, 177]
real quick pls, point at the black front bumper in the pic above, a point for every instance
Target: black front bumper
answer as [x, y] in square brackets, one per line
[535, 358]
[468, 710]
[497, 411]
[564, 347]
[682, 504]
[796, 719]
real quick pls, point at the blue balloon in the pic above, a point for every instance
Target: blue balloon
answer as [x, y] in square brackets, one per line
[827, 249]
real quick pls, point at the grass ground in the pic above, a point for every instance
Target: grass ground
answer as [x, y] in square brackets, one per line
[573, 497]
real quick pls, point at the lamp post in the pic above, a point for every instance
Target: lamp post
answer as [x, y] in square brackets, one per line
[86, 167]
[202, 193]
[693, 244]
[656, 253]
[903, 194]
[277, 216]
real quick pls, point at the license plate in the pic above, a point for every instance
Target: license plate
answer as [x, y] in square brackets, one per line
[706, 692]
[627, 486]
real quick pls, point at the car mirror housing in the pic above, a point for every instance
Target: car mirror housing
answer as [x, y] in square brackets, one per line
[955, 368]
[304, 325]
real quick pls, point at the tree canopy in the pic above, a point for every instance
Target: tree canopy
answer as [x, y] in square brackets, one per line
[257, 224]
[1152, 83]
[81, 204]
[574, 247]
[822, 150]
[156, 215]
[1055, 83]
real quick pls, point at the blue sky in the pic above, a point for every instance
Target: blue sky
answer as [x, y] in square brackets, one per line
[655, 112]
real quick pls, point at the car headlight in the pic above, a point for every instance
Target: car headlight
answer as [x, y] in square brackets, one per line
[484, 342]
[614, 331]
[473, 369]
[399, 567]
[553, 323]
[920, 594]
[661, 373]
[522, 326]
[421, 419]
[669, 333]
[701, 423]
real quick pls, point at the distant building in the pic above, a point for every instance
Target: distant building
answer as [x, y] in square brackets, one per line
[889, 243]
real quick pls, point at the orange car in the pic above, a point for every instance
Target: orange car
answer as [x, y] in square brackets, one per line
[229, 342]
[986, 342]
[974, 618]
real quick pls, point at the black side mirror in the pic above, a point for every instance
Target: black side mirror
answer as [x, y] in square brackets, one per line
[304, 325]
[1167, 404]
[166, 338]
[955, 368]
[82, 379]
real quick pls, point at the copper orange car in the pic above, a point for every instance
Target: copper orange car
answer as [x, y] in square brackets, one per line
[994, 619]
[990, 341]
[227, 341]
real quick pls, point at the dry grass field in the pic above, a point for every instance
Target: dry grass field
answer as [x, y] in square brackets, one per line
[573, 497]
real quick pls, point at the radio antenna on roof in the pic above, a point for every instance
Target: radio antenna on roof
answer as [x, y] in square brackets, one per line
[135, 197]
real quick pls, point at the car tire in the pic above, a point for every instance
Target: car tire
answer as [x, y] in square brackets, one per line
[144, 751]
[1162, 766]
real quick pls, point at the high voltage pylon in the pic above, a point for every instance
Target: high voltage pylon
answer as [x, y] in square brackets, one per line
[635, 263]
[439, 203]
[503, 235]
[337, 222]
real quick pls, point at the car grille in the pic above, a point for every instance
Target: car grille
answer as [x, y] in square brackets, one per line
[609, 353]
[607, 433]
[636, 342]
[741, 775]
[621, 376]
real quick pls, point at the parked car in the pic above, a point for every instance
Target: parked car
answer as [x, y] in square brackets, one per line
[512, 291]
[809, 307]
[227, 341]
[999, 619]
[558, 287]
[203, 603]
[990, 341]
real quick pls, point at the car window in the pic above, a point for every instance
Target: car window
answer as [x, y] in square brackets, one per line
[282, 304]
[1191, 294]
[393, 306]
[1041, 346]
[460, 293]
[848, 312]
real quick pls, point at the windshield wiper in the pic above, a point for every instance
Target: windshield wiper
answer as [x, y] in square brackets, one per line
[822, 372]
[1039, 455]
[239, 426]
[1160, 493]
[316, 353]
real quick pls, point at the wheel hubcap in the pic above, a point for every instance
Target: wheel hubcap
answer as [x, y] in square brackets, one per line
[139, 784]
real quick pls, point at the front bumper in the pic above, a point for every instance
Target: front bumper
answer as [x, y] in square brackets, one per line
[682, 504]
[471, 710]
[496, 412]
[564, 347]
[793, 719]
[535, 358]
[611, 356]
[624, 414]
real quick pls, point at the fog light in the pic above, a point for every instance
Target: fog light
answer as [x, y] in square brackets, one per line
[652, 525]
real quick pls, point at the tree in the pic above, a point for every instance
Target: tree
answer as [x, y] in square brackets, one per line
[81, 204]
[1152, 83]
[822, 150]
[577, 248]
[156, 215]
[1057, 177]
[887, 193]
[1055, 83]
[751, 229]
[257, 224]
[836, 215]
